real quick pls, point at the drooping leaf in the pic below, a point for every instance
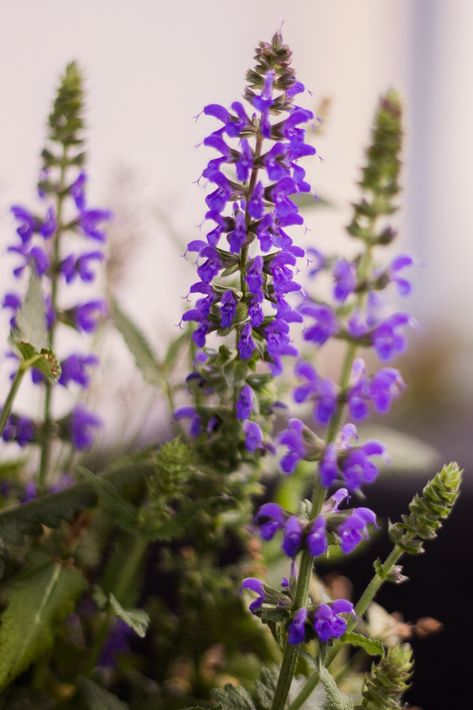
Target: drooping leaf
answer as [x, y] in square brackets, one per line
[98, 698]
[136, 619]
[51, 509]
[38, 602]
[30, 319]
[372, 647]
[138, 345]
[124, 514]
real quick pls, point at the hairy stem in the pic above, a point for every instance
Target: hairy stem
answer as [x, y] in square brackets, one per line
[365, 600]
[47, 415]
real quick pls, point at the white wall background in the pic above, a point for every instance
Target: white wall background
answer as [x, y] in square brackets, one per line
[151, 66]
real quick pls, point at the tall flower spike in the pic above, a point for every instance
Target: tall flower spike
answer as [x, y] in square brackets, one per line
[247, 261]
[64, 211]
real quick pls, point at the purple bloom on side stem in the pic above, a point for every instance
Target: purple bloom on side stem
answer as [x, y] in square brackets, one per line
[354, 528]
[254, 585]
[344, 274]
[116, 643]
[398, 264]
[82, 425]
[329, 470]
[328, 624]
[293, 439]
[244, 405]
[270, 518]
[19, 429]
[357, 468]
[30, 492]
[292, 536]
[87, 315]
[387, 340]
[253, 435]
[77, 190]
[316, 540]
[90, 221]
[246, 344]
[296, 630]
[192, 414]
[227, 309]
[74, 369]
[28, 223]
[325, 323]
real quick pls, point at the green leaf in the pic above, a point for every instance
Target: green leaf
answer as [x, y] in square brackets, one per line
[372, 647]
[98, 698]
[124, 514]
[233, 698]
[136, 619]
[30, 319]
[136, 342]
[38, 602]
[50, 510]
[334, 698]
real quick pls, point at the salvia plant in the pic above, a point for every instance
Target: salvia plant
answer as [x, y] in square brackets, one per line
[127, 586]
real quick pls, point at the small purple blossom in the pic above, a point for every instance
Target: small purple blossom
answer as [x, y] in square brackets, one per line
[297, 630]
[357, 468]
[19, 429]
[90, 223]
[328, 622]
[228, 306]
[253, 435]
[354, 528]
[244, 405]
[325, 323]
[86, 316]
[192, 414]
[292, 536]
[292, 438]
[344, 274]
[254, 585]
[82, 426]
[270, 518]
[75, 369]
[316, 539]
[246, 344]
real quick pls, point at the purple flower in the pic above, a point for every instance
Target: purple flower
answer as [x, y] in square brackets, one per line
[316, 260]
[116, 643]
[19, 429]
[257, 586]
[385, 385]
[74, 369]
[344, 274]
[237, 237]
[329, 470]
[322, 391]
[354, 528]
[325, 323]
[87, 315]
[28, 223]
[387, 339]
[90, 220]
[77, 190]
[211, 266]
[270, 518]
[30, 492]
[292, 438]
[227, 309]
[253, 435]
[356, 466]
[12, 302]
[256, 204]
[244, 405]
[328, 624]
[82, 425]
[255, 277]
[316, 540]
[296, 631]
[80, 266]
[246, 344]
[192, 414]
[292, 536]
[398, 264]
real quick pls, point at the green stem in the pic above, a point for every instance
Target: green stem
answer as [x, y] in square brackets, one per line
[365, 600]
[7, 407]
[127, 577]
[47, 416]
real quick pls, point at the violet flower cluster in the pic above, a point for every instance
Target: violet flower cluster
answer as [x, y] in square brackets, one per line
[62, 241]
[354, 315]
[247, 261]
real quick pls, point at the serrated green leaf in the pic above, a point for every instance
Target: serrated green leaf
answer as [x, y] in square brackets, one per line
[138, 345]
[233, 698]
[372, 647]
[124, 514]
[98, 698]
[334, 698]
[38, 602]
[136, 619]
[50, 510]
[30, 319]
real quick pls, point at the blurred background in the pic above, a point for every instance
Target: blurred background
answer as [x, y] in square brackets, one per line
[151, 66]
